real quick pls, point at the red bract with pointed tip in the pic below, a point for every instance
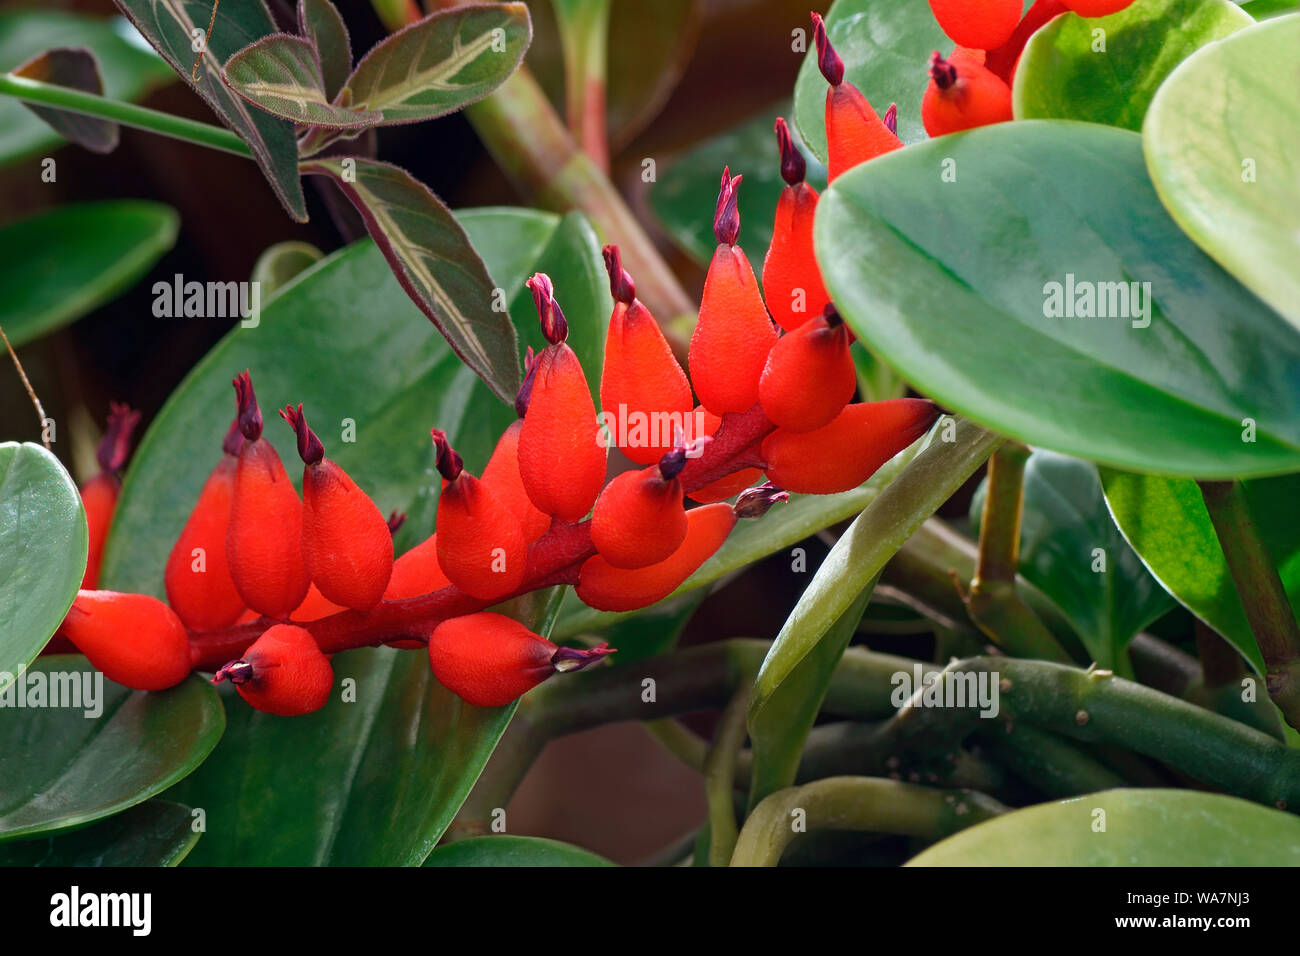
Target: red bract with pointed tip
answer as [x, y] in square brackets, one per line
[963, 95]
[99, 495]
[502, 478]
[734, 332]
[607, 588]
[641, 381]
[978, 24]
[640, 517]
[481, 547]
[282, 673]
[346, 544]
[809, 376]
[134, 639]
[264, 540]
[199, 586]
[848, 451]
[855, 133]
[489, 660]
[561, 454]
[792, 280]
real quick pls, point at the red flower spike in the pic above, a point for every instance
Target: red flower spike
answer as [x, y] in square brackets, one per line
[99, 495]
[978, 24]
[640, 518]
[282, 673]
[809, 376]
[1097, 8]
[641, 382]
[854, 132]
[136, 640]
[481, 547]
[607, 588]
[845, 453]
[726, 487]
[963, 95]
[346, 544]
[1002, 61]
[417, 572]
[489, 660]
[199, 586]
[561, 452]
[733, 335]
[792, 280]
[502, 478]
[264, 539]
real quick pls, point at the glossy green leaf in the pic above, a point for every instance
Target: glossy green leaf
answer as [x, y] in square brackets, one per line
[281, 74]
[506, 850]
[43, 546]
[320, 22]
[442, 63]
[128, 72]
[1143, 828]
[1071, 550]
[886, 50]
[77, 69]
[1220, 144]
[1265, 9]
[967, 301]
[103, 749]
[779, 726]
[61, 264]
[155, 833]
[169, 27]
[684, 197]
[1165, 521]
[281, 263]
[1064, 75]
[435, 262]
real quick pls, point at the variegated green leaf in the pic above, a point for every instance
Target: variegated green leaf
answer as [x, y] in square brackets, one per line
[441, 63]
[281, 74]
[319, 22]
[434, 261]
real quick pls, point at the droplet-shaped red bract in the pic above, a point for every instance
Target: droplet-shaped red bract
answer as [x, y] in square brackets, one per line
[792, 280]
[264, 540]
[978, 24]
[99, 497]
[199, 586]
[489, 660]
[639, 519]
[289, 674]
[963, 94]
[607, 588]
[134, 639]
[809, 376]
[732, 337]
[481, 547]
[845, 453]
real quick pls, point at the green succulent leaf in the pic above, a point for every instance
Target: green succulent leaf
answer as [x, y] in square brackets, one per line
[964, 263]
[1220, 146]
[43, 546]
[1069, 70]
[154, 833]
[103, 749]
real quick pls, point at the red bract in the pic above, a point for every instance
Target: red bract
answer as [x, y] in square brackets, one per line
[809, 376]
[639, 518]
[99, 495]
[134, 639]
[854, 131]
[792, 282]
[978, 24]
[962, 95]
[282, 673]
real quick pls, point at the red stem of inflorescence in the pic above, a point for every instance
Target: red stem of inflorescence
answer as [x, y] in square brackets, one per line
[553, 559]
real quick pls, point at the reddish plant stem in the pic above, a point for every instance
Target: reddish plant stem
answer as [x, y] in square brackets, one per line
[553, 559]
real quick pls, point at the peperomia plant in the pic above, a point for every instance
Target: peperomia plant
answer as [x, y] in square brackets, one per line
[1049, 242]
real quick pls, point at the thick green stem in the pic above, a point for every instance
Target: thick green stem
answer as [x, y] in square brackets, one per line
[1050, 764]
[857, 803]
[128, 114]
[584, 34]
[720, 778]
[1263, 595]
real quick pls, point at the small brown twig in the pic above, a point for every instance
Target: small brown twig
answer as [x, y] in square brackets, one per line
[31, 392]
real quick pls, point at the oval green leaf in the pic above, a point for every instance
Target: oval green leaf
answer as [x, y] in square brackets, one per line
[886, 50]
[1143, 828]
[155, 833]
[281, 74]
[43, 546]
[91, 748]
[962, 287]
[323, 26]
[58, 265]
[440, 64]
[1165, 521]
[1220, 143]
[1071, 550]
[1069, 71]
[506, 850]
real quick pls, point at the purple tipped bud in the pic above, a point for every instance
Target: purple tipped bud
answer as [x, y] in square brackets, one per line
[568, 659]
[554, 326]
[310, 450]
[250, 416]
[449, 463]
[891, 118]
[828, 61]
[234, 439]
[755, 502]
[942, 72]
[621, 286]
[115, 447]
[237, 672]
[726, 215]
[793, 167]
